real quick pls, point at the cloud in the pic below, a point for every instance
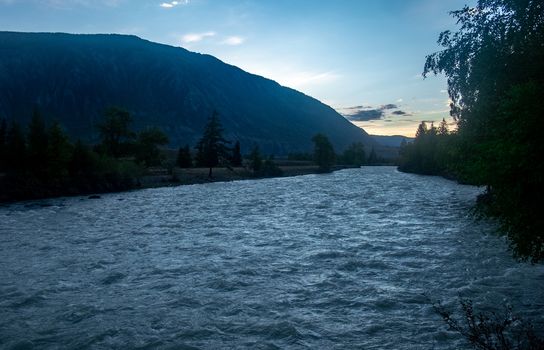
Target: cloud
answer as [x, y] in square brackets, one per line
[196, 37]
[171, 4]
[389, 106]
[234, 40]
[301, 79]
[366, 113]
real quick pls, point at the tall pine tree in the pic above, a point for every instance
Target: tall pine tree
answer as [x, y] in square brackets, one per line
[212, 147]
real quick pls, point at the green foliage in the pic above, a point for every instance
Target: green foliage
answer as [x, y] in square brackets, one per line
[270, 168]
[114, 129]
[495, 70]
[431, 152]
[491, 330]
[300, 156]
[236, 158]
[59, 152]
[147, 151]
[184, 159]
[45, 163]
[212, 147]
[354, 155]
[324, 155]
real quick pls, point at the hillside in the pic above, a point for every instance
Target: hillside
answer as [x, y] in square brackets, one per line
[74, 78]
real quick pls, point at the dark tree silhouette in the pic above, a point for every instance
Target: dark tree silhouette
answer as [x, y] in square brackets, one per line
[212, 147]
[3, 141]
[494, 65]
[354, 154]
[59, 153]
[147, 146]
[324, 154]
[114, 129]
[37, 146]
[236, 159]
[255, 160]
[184, 159]
[372, 157]
[16, 151]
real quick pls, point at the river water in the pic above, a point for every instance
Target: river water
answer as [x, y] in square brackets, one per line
[336, 261]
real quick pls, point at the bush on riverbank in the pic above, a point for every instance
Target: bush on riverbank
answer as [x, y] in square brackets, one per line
[491, 330]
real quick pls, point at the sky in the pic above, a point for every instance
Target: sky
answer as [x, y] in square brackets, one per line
[364, 58]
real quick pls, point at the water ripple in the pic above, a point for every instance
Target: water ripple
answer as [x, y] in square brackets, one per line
[333, 261]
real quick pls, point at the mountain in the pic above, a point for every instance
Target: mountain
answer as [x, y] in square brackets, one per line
[391, 141]
[74, 78]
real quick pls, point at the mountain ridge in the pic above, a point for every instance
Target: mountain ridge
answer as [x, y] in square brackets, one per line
[73, 78]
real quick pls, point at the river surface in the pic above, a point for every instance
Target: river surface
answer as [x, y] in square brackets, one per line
[347, 260]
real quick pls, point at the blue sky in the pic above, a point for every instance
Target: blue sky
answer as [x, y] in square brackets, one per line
[362, 57]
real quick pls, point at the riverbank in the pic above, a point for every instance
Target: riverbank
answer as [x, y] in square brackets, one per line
[192, 176]
[160, 177]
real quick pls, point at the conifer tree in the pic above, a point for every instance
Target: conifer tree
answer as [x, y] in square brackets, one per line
[443, 128]
[37, 146]
[212, 147]
[58, 154]
[236, 159]
[255, 160]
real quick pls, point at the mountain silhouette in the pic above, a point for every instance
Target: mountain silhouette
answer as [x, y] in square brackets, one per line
[73, 78]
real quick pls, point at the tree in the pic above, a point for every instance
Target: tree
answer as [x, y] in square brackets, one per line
[59, 152]
[37, 146]
[16, 151]
[354, 154]
[3, 141]
[147, 146]
[255, 160]
[82, 166]
[443, 128]
[270, 168]
[236, 159]
[212, 147]
[184, 157]
[114, 129]
[372, 157]
[324, 154]
[494, 66]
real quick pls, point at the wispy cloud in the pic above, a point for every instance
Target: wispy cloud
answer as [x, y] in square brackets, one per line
[368, 113]
[196, 37]
[171, 4]
[234, 40]
[301, 79]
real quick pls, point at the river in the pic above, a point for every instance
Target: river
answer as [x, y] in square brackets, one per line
[332, 261]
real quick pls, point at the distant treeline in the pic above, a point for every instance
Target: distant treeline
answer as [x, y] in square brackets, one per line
[43, 162]
[495, 70]
[39, 160]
